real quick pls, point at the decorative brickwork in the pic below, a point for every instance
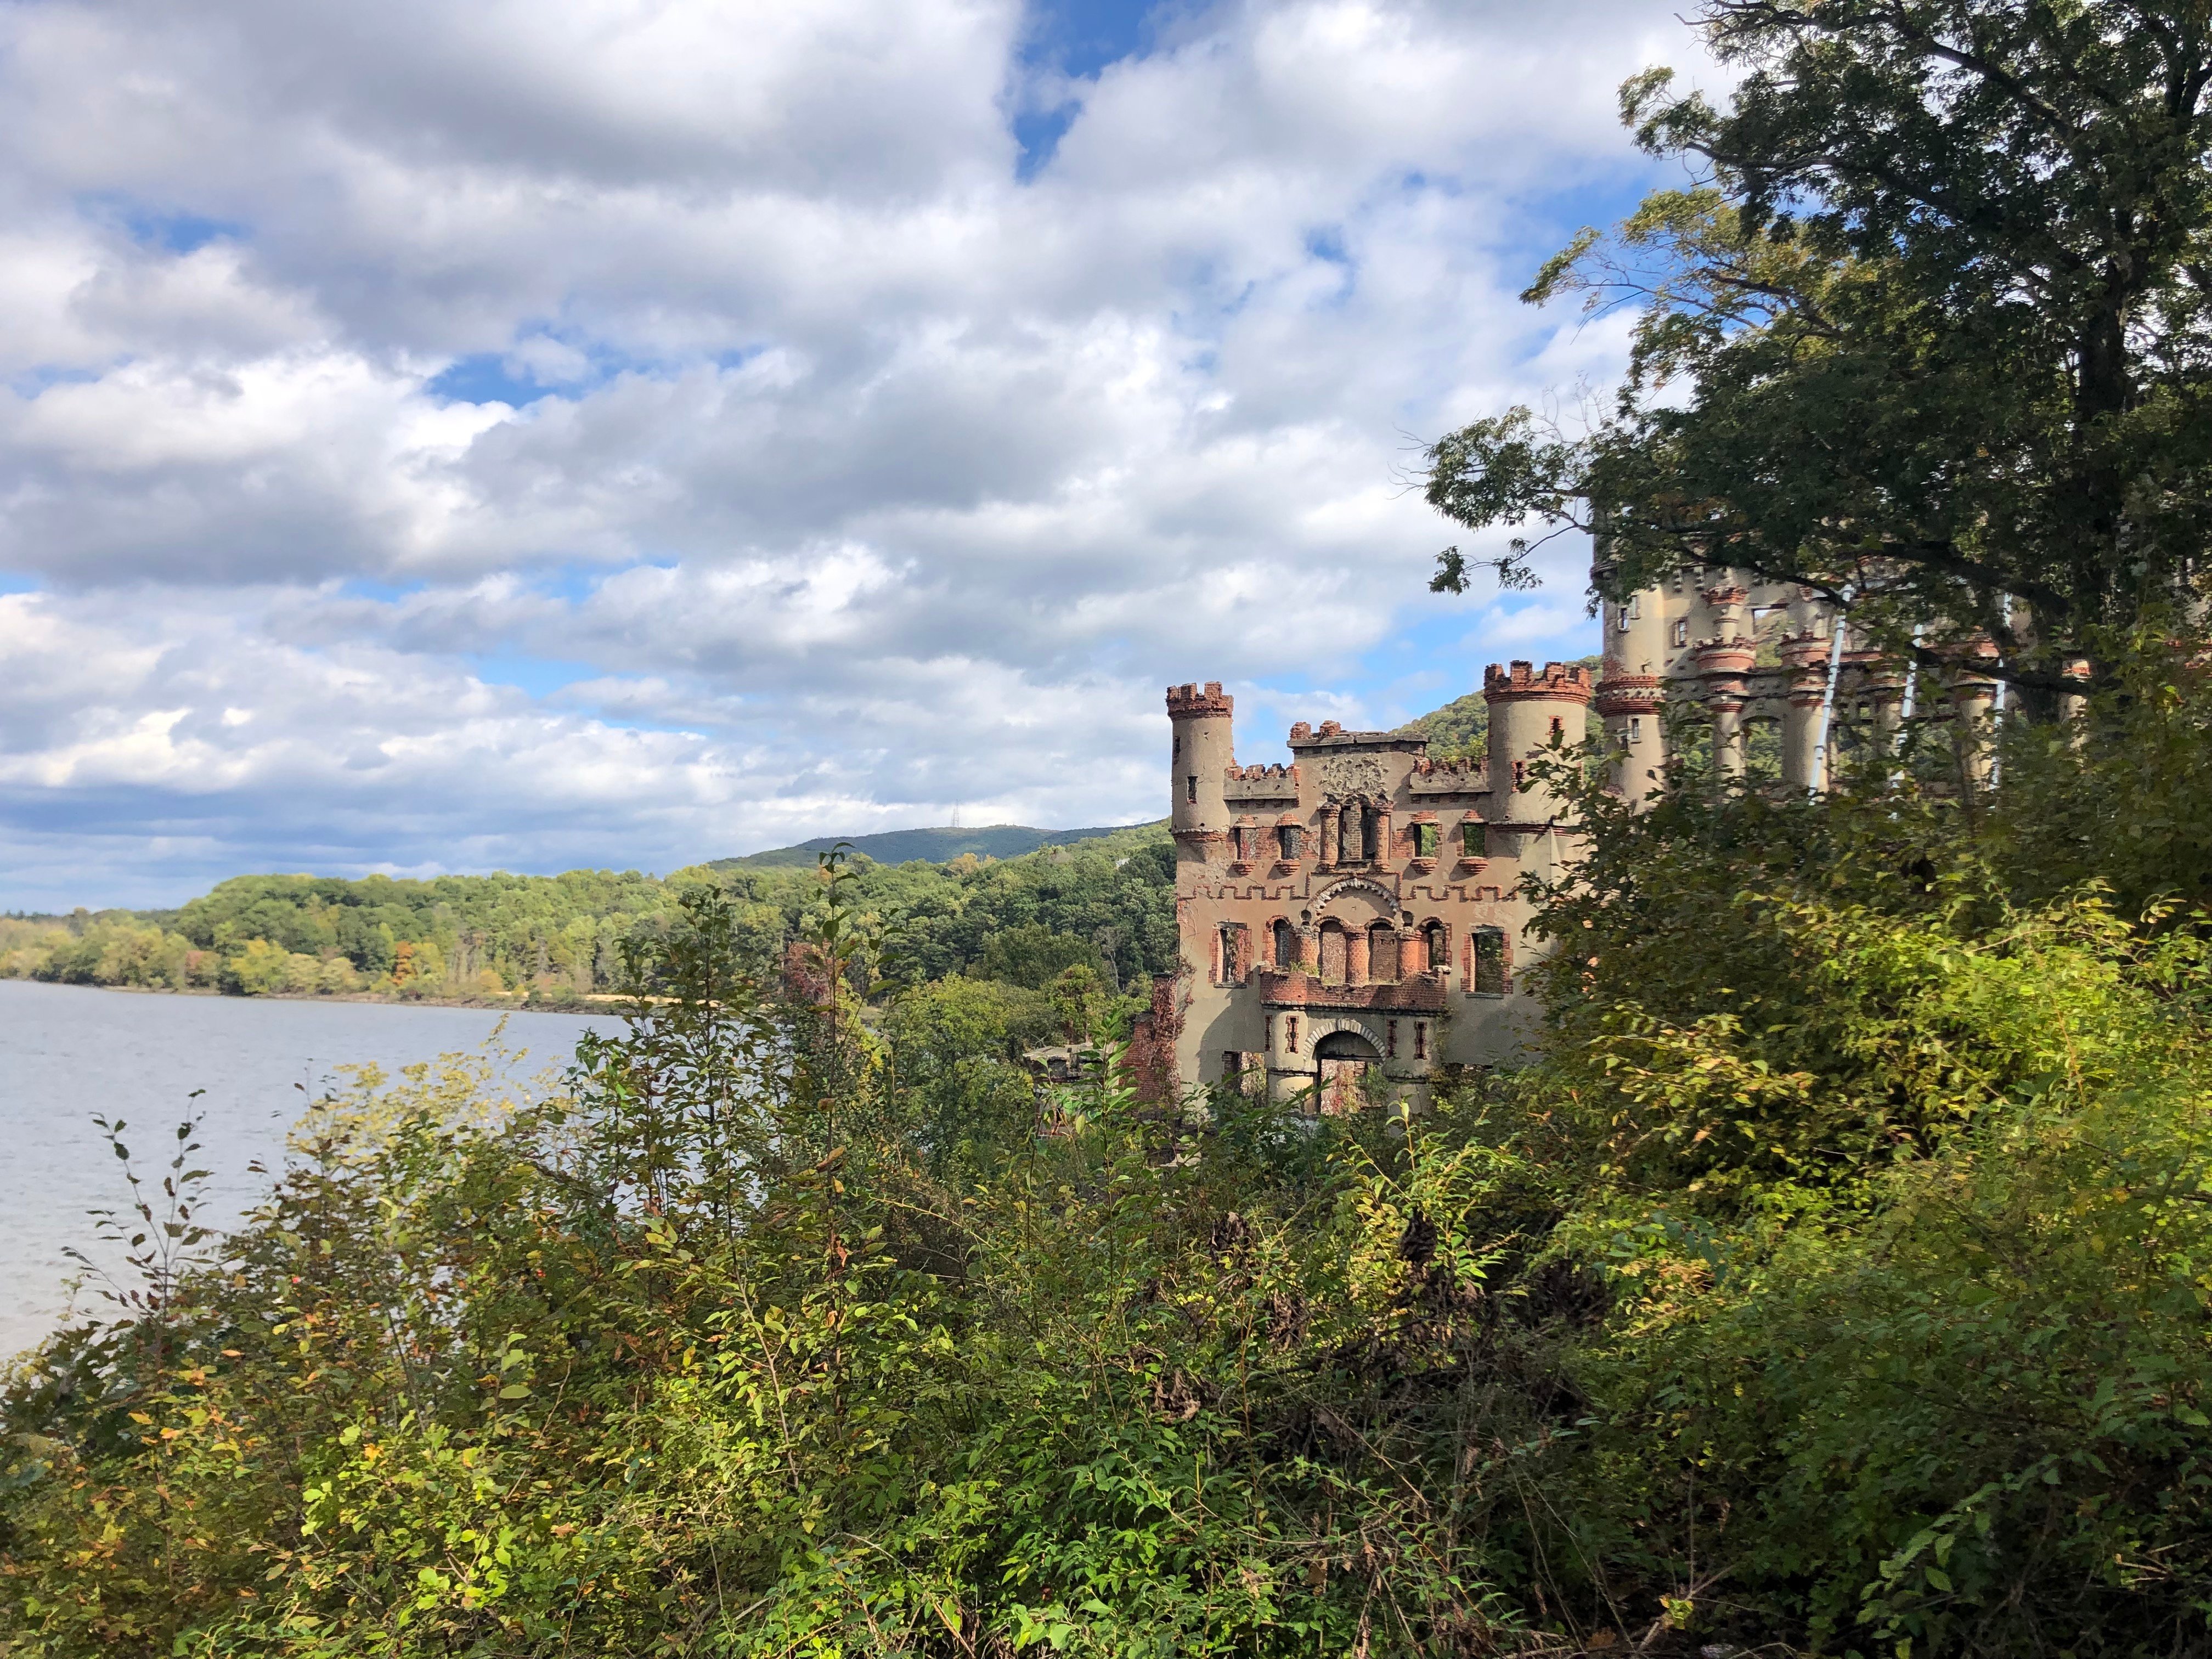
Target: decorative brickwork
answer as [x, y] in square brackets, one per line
[1631, 694]
[1519, 680]
[1190, 700]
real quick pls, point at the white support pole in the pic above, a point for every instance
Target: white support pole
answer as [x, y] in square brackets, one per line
[1820, 777]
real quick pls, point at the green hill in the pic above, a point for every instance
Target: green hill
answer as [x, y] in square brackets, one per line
[940, 845]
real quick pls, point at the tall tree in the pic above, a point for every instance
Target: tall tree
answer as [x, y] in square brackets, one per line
[1931, 327]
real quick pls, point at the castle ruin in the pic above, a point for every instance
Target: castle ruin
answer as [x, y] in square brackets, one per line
[1352, 923]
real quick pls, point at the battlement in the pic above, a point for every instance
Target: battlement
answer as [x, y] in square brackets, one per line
[1247, 783]
[1562, 681]
[1186, 700]
[1330, 735]
[1456, 777]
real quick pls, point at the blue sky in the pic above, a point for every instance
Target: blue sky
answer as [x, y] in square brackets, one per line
[562, 433]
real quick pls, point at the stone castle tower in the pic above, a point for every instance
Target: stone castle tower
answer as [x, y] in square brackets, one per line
[1351, 923]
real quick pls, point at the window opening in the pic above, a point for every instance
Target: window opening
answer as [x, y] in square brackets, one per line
[1470, 837]
[1390, 1040]
[1288, 836]
[1291, 1033]
[1382, 954]
[1420, 1040]
[1681, 634]
[1190, 789]
[1489, 962]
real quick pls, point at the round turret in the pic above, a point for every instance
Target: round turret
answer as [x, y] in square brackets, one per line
[1529, 708]
[1203, 751]
[1631, 689]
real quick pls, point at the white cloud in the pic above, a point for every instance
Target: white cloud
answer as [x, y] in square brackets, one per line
[802, 467]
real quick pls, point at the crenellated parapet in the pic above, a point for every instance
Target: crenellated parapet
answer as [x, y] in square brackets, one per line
[1519, 680]
[1185, 701]
[1456, 777]
[1260, 783]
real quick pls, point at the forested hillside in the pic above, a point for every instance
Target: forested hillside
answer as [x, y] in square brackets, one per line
[937, 845]
[1106, 900]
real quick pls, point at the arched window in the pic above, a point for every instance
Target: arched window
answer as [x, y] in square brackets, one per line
[1436, 943]
[1331, 952]
[1383, 954]
[1228, 963]
[1286, 942]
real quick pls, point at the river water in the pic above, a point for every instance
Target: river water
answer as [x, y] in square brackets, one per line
[67, 1052]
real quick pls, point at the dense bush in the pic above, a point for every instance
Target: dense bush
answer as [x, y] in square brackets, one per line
[1836, 1281]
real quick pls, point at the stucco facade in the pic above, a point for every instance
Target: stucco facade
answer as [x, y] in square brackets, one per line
[1351, 923]
[1352, 920]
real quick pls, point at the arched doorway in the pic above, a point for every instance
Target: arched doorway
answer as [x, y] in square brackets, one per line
[1343, 1058]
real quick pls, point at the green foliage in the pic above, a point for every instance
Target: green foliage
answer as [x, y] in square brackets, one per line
[1929, 325]
[110, 948]
[1033, 956]
[1839, 1277]
[713, 1355]
[1107, 901]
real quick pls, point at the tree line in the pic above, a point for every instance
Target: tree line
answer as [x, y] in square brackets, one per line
[1106, 904]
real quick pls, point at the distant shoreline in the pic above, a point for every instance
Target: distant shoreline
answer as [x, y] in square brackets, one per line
[585, 1002]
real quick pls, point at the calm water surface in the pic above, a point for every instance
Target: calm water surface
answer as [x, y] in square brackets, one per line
[68, 1051]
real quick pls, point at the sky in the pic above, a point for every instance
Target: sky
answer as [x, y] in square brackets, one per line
[544, 434]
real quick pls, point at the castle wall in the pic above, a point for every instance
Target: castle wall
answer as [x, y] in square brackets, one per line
[1356, 914]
